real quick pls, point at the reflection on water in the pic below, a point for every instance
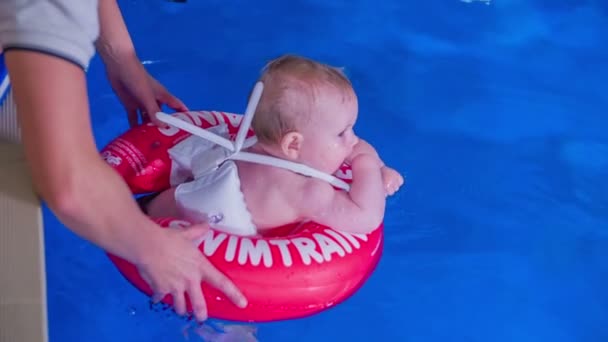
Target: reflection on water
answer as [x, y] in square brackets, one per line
[487, 2]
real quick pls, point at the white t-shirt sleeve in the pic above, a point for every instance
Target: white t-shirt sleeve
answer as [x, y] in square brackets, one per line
[63, 28]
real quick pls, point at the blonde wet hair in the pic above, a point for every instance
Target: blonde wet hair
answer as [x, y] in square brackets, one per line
[291, 85]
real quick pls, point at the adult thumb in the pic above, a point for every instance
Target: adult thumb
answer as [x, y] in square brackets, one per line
[196, 231]
[149, 112]
[173, 102]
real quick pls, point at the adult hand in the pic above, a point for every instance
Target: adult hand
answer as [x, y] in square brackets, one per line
[141, 94]
[173, 265]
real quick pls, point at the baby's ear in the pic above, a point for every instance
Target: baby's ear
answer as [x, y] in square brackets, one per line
[291, 144]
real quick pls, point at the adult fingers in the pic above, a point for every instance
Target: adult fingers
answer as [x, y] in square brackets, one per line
[132, 116]
[172, 101]
[145, 117]
[197, 300]
[157, 297]
[150, 110]
[195, 232]
[222, 283]
[179, 302]
[165, 97]
[146, 97]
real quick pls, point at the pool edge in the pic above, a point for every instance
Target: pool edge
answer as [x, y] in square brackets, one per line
[23, 302]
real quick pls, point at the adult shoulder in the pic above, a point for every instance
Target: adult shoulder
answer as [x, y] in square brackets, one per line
[63, 28]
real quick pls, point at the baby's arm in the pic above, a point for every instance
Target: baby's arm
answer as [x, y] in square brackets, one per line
[392, 179]
[359, 211]
[363, 147]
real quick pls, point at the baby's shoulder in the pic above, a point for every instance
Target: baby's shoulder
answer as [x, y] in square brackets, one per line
[266, 178]
[312, 195]
[295, 189]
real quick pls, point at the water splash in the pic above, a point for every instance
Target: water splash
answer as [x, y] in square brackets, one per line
[208, 331]
[219, 332]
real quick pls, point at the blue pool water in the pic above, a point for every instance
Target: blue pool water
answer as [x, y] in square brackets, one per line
[492, 110]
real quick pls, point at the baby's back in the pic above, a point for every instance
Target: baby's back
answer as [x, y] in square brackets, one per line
[267, 191]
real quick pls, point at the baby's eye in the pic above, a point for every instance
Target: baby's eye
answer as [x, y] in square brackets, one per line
[343, 133]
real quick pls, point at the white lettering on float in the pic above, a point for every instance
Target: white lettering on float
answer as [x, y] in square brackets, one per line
[347, 247]
[170, 131]
[351, 238]
[306, 248]
[231, 249]
[199, 117]
[195, 118]
[328, 246]
[329, 242]
[213, 243]
[348, 174]
[178, 224]
[234, 120]
[285, 255]
[255, 252]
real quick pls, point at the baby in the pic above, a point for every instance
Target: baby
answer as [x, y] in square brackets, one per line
[305, 115]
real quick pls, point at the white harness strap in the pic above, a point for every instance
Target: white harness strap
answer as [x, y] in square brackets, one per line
[241, 142]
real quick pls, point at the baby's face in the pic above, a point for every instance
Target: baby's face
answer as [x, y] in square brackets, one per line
[329, 137]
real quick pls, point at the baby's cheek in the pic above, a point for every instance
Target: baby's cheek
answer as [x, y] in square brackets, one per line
[328, 150]
[331, 157]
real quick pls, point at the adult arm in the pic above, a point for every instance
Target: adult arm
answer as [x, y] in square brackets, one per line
[87, 195]
[48, 45]
[141, 94]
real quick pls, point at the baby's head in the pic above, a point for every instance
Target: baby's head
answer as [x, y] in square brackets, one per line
[306, 113]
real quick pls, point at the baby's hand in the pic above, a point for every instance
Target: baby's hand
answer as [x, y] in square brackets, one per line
[391, 179]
